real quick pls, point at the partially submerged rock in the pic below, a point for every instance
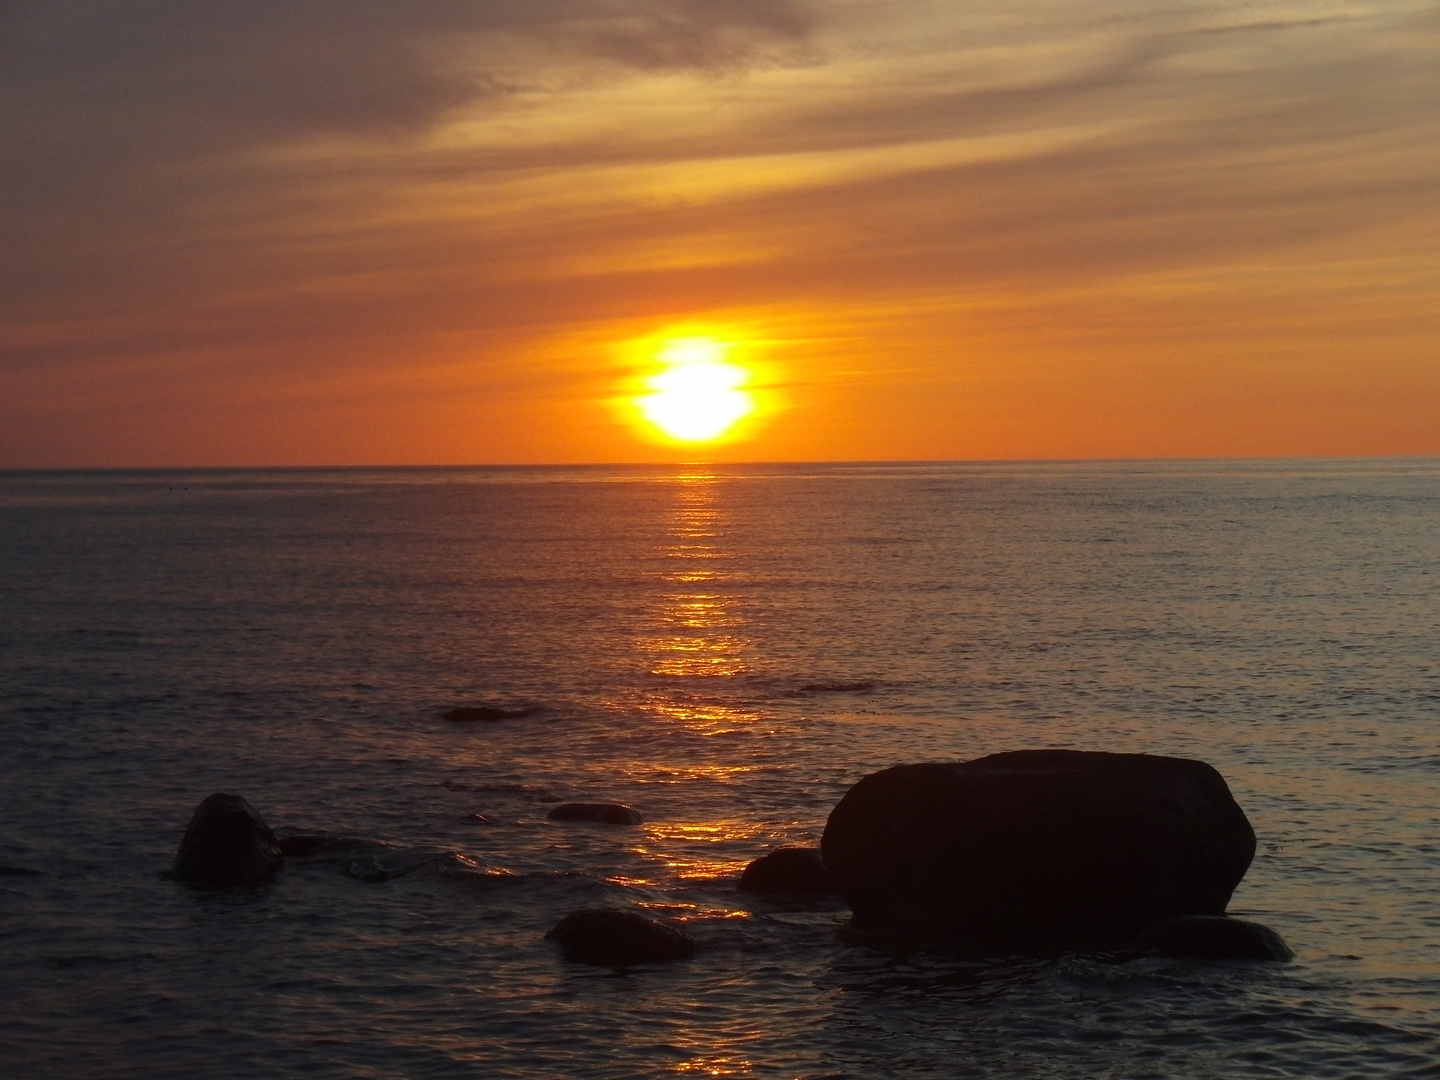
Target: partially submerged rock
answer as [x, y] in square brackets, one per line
[597, 812]
[1037, 850]
[1211, 937]
[298, 847]
[227, 845]
[609, 937]
[471, 713]
[863, 686]
[788, 870]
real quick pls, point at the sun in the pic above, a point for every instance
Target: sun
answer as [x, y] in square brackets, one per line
[698, 395]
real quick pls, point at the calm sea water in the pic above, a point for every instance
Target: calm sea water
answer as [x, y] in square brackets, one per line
[726, 649]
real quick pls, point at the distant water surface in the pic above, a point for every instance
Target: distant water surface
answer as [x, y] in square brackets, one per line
[727, 649]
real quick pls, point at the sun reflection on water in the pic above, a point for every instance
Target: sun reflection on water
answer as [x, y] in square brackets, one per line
[695, 628]
[727, 1065]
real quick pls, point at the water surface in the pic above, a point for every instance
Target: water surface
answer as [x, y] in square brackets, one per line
[726, 649]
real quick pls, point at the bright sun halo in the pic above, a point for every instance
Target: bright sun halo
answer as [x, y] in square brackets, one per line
[698, 395]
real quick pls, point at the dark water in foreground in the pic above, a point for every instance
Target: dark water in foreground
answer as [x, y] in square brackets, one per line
[727, 650]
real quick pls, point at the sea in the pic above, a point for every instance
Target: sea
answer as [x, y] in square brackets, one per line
[725, 648]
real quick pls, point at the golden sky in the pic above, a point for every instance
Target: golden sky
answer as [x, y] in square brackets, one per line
[448, 231]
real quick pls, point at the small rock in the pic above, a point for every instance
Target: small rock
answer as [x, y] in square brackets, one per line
[609, 937]
[1211, 937]
[470, 713]
[227, 845]
[862, 687]
[597, 812]
[788, 870]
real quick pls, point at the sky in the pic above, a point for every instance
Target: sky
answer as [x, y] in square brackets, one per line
[294, 232]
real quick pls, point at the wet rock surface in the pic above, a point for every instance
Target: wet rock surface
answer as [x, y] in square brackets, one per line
[611, 937]
[227, 845]
[1038, 851]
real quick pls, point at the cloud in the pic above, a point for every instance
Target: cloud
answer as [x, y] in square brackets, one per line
[129, 129]
[277, 68]
[285, 191]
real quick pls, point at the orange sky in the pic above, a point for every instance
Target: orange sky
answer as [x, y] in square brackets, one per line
[363, 232]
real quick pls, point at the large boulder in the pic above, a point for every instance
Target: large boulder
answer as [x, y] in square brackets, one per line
[1037, 851]
[610, 937]
[227, 845]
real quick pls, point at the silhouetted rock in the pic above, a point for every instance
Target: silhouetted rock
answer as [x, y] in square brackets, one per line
[1038, 850]
[603, 813]
[612, 938]
[788, 870]
[1211, 937]
[227, 845]
[471, 713]
[18, 871]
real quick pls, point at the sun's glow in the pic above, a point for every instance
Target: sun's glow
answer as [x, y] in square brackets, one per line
[698, 395]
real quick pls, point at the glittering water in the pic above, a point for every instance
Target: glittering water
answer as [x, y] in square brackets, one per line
[727, 650]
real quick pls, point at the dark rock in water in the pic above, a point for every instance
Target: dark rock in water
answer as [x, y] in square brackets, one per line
[227, 846]
[612, 938]
[297, 847]
[18, 871]
[372, 870]
[604, 813]
[788, 870]
[1037, 851]
[471, 713]
[861, 687]
[387, 865]
[1211, 937]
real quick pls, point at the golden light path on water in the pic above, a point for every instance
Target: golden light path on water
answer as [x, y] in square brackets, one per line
[696, 637]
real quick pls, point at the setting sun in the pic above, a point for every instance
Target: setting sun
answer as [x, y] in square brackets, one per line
[698, 395]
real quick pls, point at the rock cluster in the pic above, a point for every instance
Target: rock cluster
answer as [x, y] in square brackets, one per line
[1032, 852]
